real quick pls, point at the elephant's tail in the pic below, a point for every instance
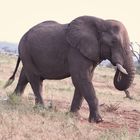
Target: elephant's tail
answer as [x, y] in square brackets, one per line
[12, 78]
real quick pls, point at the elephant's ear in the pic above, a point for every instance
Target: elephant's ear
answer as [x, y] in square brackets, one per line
[83, 34]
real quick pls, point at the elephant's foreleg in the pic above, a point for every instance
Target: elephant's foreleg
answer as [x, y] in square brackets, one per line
[87, 90]
[81, 70]
[77, 101]
[22, 82]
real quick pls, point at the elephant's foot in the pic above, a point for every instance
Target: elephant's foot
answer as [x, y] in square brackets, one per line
[95, 118]
[74, 109]
[39, 101]
[39, 107]
[15, 93]
[14, 99]
[75, 113]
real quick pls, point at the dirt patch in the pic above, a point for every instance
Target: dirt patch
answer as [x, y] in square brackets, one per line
[131, 119]
[120, 118]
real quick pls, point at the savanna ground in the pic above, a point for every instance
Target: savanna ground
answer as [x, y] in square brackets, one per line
[19, 120]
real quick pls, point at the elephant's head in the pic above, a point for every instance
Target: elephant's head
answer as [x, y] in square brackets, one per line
[99, 39]
[120, 54]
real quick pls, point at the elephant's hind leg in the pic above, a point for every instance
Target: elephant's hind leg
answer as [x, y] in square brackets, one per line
[36, 84]
[22, 82]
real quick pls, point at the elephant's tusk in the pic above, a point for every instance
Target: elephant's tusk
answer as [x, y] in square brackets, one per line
[120, 68]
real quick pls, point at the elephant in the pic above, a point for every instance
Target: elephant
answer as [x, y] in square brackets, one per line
[54, 51]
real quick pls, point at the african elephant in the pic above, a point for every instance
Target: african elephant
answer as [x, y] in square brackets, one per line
[51, 50]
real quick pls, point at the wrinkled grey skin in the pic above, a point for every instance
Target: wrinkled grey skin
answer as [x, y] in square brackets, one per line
[51, 50]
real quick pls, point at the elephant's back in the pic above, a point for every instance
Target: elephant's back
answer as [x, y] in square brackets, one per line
[48, 35]
[46, 30]
[46, 47]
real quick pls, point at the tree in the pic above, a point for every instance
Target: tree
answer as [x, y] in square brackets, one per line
[135, 53]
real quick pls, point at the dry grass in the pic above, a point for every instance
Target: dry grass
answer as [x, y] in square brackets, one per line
[111, 107]
[19, 120]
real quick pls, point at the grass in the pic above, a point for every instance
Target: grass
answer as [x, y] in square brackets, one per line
[20, 120]
[121, 134]
[111, 107]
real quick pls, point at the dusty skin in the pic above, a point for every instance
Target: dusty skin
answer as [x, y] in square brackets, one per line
[19, 121]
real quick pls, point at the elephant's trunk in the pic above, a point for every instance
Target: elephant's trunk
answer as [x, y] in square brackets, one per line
[123, 81]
